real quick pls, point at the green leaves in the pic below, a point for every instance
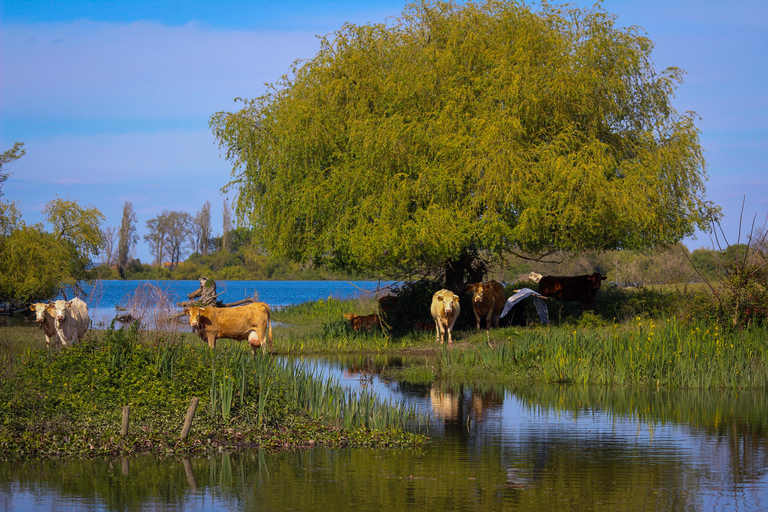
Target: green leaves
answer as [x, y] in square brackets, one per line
[484, 125]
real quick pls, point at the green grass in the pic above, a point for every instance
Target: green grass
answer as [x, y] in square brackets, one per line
[69, 402]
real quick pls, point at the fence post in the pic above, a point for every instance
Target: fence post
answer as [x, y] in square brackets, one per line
[126, 415]
[190, 415]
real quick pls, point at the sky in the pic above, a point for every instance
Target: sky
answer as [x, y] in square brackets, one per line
[113, 98]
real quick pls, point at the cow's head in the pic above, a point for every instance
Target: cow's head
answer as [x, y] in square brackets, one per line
[477, 290]
[40, 309]
[60, 308]
[194, 313]
[596, 280]
[535, 277]
[450, 301]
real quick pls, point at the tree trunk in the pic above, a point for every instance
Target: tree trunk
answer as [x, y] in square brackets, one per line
[468, 266]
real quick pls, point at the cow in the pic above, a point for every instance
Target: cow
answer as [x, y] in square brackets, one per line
[249, 322]
[535, 277]
[567, 288]
[72, 320]
[487, 302]
[445, 311]
[364, 322]
[46, 322]
[423, 326]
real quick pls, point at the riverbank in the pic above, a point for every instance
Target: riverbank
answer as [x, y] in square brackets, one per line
[71, 403]
[655, 345]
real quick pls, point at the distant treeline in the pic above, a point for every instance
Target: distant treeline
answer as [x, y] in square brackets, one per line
[675, 264]
[242, 264]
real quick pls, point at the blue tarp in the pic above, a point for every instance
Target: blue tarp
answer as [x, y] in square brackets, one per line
[538, 301]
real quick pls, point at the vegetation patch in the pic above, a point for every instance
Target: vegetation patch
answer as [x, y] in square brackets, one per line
[71, 403]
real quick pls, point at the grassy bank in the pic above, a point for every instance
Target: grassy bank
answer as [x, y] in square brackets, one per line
[646, 338]
[70, 403]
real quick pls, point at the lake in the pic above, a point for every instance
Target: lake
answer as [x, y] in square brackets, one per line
[105, 295]
[513, 447]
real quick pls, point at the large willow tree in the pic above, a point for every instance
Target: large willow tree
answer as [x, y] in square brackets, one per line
[466, 129]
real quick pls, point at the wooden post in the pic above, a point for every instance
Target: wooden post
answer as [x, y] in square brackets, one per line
[126, 415]
[190, 415]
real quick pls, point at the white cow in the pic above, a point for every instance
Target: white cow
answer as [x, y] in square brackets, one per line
[46, 322]
[445, 311]
[72, 320]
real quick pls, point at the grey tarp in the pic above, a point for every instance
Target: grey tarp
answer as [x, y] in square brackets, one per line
[538, 301]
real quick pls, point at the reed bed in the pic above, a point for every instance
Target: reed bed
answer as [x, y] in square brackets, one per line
[237, 376]
[662, 352]
[326, 399]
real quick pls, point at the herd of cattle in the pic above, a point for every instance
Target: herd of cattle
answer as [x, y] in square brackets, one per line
[66, 322]
[487, 302]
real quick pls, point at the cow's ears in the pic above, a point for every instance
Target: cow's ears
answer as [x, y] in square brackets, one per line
[32, 307]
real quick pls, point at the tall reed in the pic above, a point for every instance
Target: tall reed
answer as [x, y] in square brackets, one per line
[646, 352]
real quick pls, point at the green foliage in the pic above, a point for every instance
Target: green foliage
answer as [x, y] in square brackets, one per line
[7, 156]
[33, 265]
[414, 300]
[643, 352]
[70, 402]
[463, 126]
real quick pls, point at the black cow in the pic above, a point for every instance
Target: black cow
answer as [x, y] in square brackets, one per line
[567, 288]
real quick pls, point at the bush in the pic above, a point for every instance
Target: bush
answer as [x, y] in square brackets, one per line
[414, 300]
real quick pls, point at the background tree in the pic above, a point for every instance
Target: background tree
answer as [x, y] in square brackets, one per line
[79, 229]
[33, 266]
[170, 234]
[111, 242]
[462, 131]
[16, 152]
[202, 230]
[128, 237]
[226, 227]
[180, 235]
[156, 237]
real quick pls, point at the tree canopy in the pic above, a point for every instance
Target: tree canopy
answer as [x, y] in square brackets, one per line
[456, 129]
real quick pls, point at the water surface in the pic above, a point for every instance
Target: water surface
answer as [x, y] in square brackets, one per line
[497, 448]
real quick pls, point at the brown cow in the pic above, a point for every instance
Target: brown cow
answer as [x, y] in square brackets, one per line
[46, 321]
[239, 323]
[487, 302]
[445, 311]
[366, 322]
[567, 288]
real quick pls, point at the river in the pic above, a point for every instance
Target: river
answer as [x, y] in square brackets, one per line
[514, 447]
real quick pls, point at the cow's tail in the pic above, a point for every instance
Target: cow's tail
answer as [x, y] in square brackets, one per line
[269, 320]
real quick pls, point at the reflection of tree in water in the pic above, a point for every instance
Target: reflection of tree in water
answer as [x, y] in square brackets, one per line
[731, 427]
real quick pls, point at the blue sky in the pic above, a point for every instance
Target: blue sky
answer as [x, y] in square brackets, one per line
[112, 99]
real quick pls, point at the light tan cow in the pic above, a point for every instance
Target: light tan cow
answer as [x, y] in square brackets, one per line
[43, 316]
[72, 320]
[487, 302]
[249, 322]
[445, 311]
[535, 277]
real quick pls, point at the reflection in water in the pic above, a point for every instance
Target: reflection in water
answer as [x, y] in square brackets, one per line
[515, 448]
